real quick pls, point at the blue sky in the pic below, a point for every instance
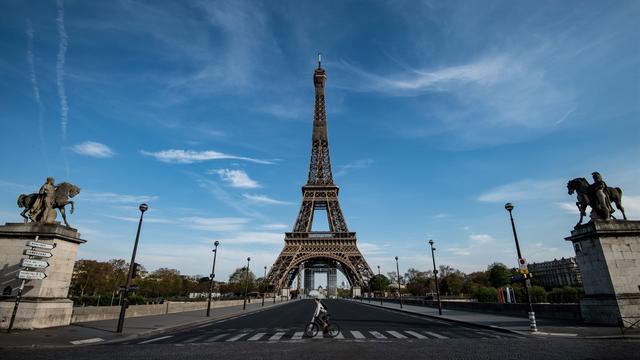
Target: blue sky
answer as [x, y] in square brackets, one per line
[439, 113]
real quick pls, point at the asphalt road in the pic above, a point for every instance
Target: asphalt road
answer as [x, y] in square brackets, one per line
[367, 332]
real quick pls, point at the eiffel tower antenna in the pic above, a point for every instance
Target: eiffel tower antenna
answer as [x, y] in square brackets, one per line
[307, 251]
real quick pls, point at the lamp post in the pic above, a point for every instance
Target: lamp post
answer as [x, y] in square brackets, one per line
[125, 303]
[398, 272]
[264, 288]
[527, 283]
[212, 276]
[380, 285]
[435, 274]
[246, 285]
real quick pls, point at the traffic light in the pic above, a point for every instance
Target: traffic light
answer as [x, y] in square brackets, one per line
[136, 270]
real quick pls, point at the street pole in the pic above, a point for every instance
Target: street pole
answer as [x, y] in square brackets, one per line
[264, 289]
[246, 285]
[380, 285]
[213, 275]
[435, 274]
[15, 306]
[125, 303]
[527, 282]
[398, 273]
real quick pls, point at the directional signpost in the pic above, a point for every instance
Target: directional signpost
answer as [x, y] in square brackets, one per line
[28, 265]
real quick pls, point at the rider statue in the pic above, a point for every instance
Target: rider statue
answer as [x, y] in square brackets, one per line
[42, 210]
[600, 196]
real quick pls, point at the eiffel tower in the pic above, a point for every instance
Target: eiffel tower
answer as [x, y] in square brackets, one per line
[320, 251]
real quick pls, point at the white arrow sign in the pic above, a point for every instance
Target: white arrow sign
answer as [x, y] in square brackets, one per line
[31, 275]
[33, 263]
[38, 253]
[40, 245]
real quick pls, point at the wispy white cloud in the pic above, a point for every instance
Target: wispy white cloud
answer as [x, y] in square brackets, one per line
[236, 178]
[93, 149]
[253, 237]
[356, 165]
[275, 226]
[481, 238]
[524, 190]
[148, 219]
[567, 207]
[114, 198]
[192, 156]
[36, 89]
[264, 199]
[215, 224]
[62, 53]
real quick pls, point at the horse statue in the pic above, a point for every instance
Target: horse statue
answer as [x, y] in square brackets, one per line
[588, 196]
[63, 192]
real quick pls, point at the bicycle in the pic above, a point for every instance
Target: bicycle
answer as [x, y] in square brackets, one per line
[312, 328]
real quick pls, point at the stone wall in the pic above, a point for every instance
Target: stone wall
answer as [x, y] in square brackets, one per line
[93, 313]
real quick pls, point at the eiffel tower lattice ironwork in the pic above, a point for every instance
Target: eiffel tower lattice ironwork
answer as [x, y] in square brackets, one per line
[336, 247]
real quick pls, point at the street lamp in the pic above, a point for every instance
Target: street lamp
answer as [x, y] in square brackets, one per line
[435, 274]
[380, 285]
[398, 272]
[527, 282]
[246, 285]
[264, 288]
[125, 304]
[213, 275]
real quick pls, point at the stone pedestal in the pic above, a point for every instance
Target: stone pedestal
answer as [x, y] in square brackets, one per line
[608, 253]
[44, 302]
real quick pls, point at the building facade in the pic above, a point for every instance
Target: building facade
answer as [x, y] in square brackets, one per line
[557, 273]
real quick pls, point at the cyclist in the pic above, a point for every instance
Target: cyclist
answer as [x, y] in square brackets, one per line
[321, 315]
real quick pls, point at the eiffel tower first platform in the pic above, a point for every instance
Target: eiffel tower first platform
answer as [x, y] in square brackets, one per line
[306, 251]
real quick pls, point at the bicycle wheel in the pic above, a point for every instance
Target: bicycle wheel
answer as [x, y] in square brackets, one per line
[333, 330]
[311, 330]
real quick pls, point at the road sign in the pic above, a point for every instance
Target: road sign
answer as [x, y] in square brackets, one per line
[37, 253]
[40, 245]
[522, 264]
[33, 263]
[31, 275]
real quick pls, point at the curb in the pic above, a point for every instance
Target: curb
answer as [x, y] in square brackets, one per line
[157, 331]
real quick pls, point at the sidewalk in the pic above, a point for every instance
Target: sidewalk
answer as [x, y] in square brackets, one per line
[105, 330]
[520, 325]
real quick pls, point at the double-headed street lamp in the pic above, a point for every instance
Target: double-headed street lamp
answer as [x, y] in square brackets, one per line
[435, 275]
[246, 285]
[213, 275]
[527, 282]
[125, 304]
[264, 283]
[399, 292]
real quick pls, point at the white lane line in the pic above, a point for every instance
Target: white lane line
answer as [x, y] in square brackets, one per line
[396, 334]
[436, 335]
[357, 334]
[416, 334]
[319, 335]
[217, 337]
[237, 337]
[193, 339]
[297, 335]
[377, 335]
[276, 336]
[339, 336]
[256, 337]
[86, 341]
[156, 339]
[483, 334]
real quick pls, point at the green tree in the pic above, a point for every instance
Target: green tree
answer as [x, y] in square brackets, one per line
[486, 294]
[238, 281]
[499, 275]
[378, 283]
[538, 294]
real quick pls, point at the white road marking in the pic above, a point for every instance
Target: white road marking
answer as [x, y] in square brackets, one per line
[436, 335]
[319, 335]
[156, 339]
[417, 335]
[86, 341]
[339, 336]
[491, 336]
[357, 334]
[217, 337]
[193, 339]
[276, 336]
[377, 335]
[256, 337]
[396, 334]
[237, 337]
[297, 335]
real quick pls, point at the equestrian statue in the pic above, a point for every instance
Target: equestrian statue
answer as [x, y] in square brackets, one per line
[598, 196]
[41, 207]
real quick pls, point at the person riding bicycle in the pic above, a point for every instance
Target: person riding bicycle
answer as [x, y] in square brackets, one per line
[321, 315]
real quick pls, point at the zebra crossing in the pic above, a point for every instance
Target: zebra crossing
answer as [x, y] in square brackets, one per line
[277, 335]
